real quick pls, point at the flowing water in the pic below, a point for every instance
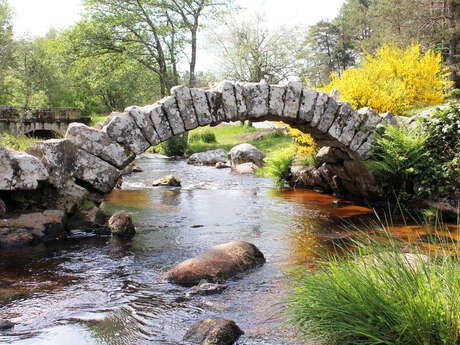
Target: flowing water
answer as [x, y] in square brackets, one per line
[107, 291]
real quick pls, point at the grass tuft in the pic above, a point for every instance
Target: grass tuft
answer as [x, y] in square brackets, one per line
[379, 294]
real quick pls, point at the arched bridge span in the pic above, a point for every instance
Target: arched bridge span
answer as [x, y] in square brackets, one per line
[91, 158]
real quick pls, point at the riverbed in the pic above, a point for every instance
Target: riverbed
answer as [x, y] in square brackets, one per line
[102, 290]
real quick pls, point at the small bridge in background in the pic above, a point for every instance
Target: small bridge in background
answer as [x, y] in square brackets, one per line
[46, 123]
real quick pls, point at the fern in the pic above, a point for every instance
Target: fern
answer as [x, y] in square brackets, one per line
[401, 154]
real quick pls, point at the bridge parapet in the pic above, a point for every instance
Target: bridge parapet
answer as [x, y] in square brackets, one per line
[51, 114]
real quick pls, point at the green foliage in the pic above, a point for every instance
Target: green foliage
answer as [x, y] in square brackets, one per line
[96, 118]
[87, 204]
[401, 154]
[420, 163]
[17, 143]
[309, 160]
[176, 146]
[204, 135]
[441, 173]
[379, 296]
[278, 166]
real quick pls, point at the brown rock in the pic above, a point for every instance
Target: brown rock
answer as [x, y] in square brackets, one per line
[131, 168]
[84, 219]
[217, 264]
[168, 180]
[121, 224]
[213, 332]
[205, 289]
[29, 228]
[306, 176]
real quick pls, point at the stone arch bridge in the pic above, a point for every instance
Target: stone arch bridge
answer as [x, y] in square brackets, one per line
[90, 160]
[42, 123]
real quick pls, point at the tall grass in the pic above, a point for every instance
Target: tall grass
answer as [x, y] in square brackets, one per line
[278, 166]
[378, 294]
[205, 135]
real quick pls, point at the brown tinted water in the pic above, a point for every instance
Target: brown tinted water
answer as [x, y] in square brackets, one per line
[105, 291]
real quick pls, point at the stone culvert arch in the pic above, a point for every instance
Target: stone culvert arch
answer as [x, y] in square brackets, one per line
[91, 159]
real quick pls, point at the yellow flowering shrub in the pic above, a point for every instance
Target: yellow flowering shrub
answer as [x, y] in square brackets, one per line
[394, 80]
[303, 142]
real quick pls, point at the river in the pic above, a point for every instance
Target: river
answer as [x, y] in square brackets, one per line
[89, 290]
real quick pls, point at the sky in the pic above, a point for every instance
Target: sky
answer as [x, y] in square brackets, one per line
[36, 17]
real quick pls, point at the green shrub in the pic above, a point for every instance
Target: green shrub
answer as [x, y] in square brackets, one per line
[379, 296]
[204, 135]
[17, 143]
[175, 146]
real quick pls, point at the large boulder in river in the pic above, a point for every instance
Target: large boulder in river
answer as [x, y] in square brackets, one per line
[211, 332]
[217, 264]
[20, 171]
[208, 157]
[65, 161]
[246, 153]
[121, 224]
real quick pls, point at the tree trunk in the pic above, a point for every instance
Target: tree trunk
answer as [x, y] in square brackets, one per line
[194, 30]
[452, 40]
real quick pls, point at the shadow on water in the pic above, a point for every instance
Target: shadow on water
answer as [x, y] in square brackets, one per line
[106, 291]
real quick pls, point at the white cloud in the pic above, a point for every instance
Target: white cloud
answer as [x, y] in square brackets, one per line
[36, 17]
[294, 12]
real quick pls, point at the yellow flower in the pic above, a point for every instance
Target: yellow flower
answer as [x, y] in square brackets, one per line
[394, 80]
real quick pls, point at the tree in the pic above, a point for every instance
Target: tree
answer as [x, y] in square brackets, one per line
[155, 33]
[190, 11]
[6, 50]
[331, 51]
[248, 50]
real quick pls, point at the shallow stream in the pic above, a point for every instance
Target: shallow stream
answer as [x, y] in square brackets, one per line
[86, 291]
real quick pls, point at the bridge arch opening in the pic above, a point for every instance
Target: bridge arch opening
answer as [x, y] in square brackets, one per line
[43, 134]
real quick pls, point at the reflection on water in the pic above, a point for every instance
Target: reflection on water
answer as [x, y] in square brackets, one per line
[109, 291]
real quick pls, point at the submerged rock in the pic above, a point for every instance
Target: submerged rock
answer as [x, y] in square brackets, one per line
[217, 264]
[121, 224]
[168, 180]
[208, 158]
[87, 219]
[205, 289]
[212, 332]
[29, 228]
[245, 153]
[131, 168]
[245, 168]
[222, 165]
[5, 325]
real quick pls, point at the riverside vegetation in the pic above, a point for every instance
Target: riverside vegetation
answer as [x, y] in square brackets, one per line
[380, 293]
